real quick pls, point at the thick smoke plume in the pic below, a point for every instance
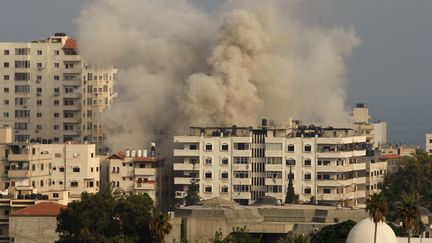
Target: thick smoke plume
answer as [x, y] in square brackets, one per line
[180, 65]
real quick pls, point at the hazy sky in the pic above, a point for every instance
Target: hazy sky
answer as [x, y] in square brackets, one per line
[391, 70]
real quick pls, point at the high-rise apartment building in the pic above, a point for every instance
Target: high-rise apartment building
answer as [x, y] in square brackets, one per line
[244, 163]
[49, 93]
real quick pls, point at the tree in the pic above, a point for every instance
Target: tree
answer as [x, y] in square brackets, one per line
[290, 195]
[294, 238]
[238, 235]
[192, 196]
[377, 207]
[159, 225]
[102, 218]
[336, 233]
[408, 213]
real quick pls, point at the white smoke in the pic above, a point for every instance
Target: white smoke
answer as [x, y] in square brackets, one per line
[180, 65]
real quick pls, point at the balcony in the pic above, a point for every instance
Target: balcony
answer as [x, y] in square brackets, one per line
[72, 107]
[273, 167]
[241, 195]
[341, 168]
[185, 166]
[71, 133]
[72, 95]
[182, 180]
[187, 139]
[270, 181]
[18, 173]
[145, 186]
[20, 157]
[242, 181]
[145, 171]
[71, 120]
[73, 70]
[71, 82]
[274, 153]
[242, 153]
[238, 167]
[186, 152]
[341, 154]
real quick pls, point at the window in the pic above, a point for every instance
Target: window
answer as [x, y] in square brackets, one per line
[307, 190]
[274, 174]
[241, 160]
[274, 160]
[241, 146]
[224, 189]
[22, 88]
[61, 169]
[56, 52]
[56, 65]
[56, 102]
[307, 176]
[22, 113]
[307, 148]
[208, 161]
[224, 161]
[39, 127]
[326, 191]
[273, 146]
[39, 52]
[208, 147]
[55, 194]
[5, 64]
[224, 147]
[5, 114]
[308, 162]
[191, 146]
[56, 77]
[22, 51]
[6, 212]
[208, 175]
[6, 90]
[241, 188]
[207, 189]
[75, 169]
[6, 52]
[241, 174]
[224, 175]
[74, 184]
[290, 162]
[39, 78]
[291, 148]
[39, 102]
[39, 114]
[6, 102]
[6, 77]
[22, 64]
[56, 115]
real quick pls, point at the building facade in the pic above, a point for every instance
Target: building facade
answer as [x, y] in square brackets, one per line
[244, 164]
[429, 143]
[49, 93]
[137, 172]
[60, 171]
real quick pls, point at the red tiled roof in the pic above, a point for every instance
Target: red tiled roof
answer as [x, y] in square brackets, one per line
[70, 44]
[118, 155]
[43, 209]
[391, 156]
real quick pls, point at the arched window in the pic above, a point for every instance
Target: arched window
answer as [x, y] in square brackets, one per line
[224, 161]
[61, 169]
[307, 190]
[307, 148]
[308, 162]
[208, 175]
[208, 160]
[307, 176]
[208, 189]
[224, 189]
[290, 161]
[74, 183]
[76, 169]
[224, 175]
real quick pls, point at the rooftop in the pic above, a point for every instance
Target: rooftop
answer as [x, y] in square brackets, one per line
[43, 209]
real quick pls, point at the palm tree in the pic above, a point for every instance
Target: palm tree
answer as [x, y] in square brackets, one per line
[377, 207]
[408, 212]
[159, 225]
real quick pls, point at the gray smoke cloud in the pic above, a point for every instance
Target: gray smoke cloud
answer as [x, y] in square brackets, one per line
[180, 65]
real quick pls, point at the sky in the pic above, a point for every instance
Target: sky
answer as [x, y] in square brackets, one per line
[391, 70]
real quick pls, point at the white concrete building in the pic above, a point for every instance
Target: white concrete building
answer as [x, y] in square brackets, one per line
[429, 143]
[61, 171]
[49, 93]
[243, 164]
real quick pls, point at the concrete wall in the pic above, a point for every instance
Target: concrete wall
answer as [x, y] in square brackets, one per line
[31, 229]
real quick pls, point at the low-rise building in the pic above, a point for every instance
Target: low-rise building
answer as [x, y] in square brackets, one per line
[51, 169]
[36, 223]
[429, 143]
[137, 172]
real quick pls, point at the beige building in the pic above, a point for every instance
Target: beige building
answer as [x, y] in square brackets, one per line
[375, 132]
[429, 143]
[36, 223]
[50, 94]
[61, 171]
[137, 172]
[243, 164]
